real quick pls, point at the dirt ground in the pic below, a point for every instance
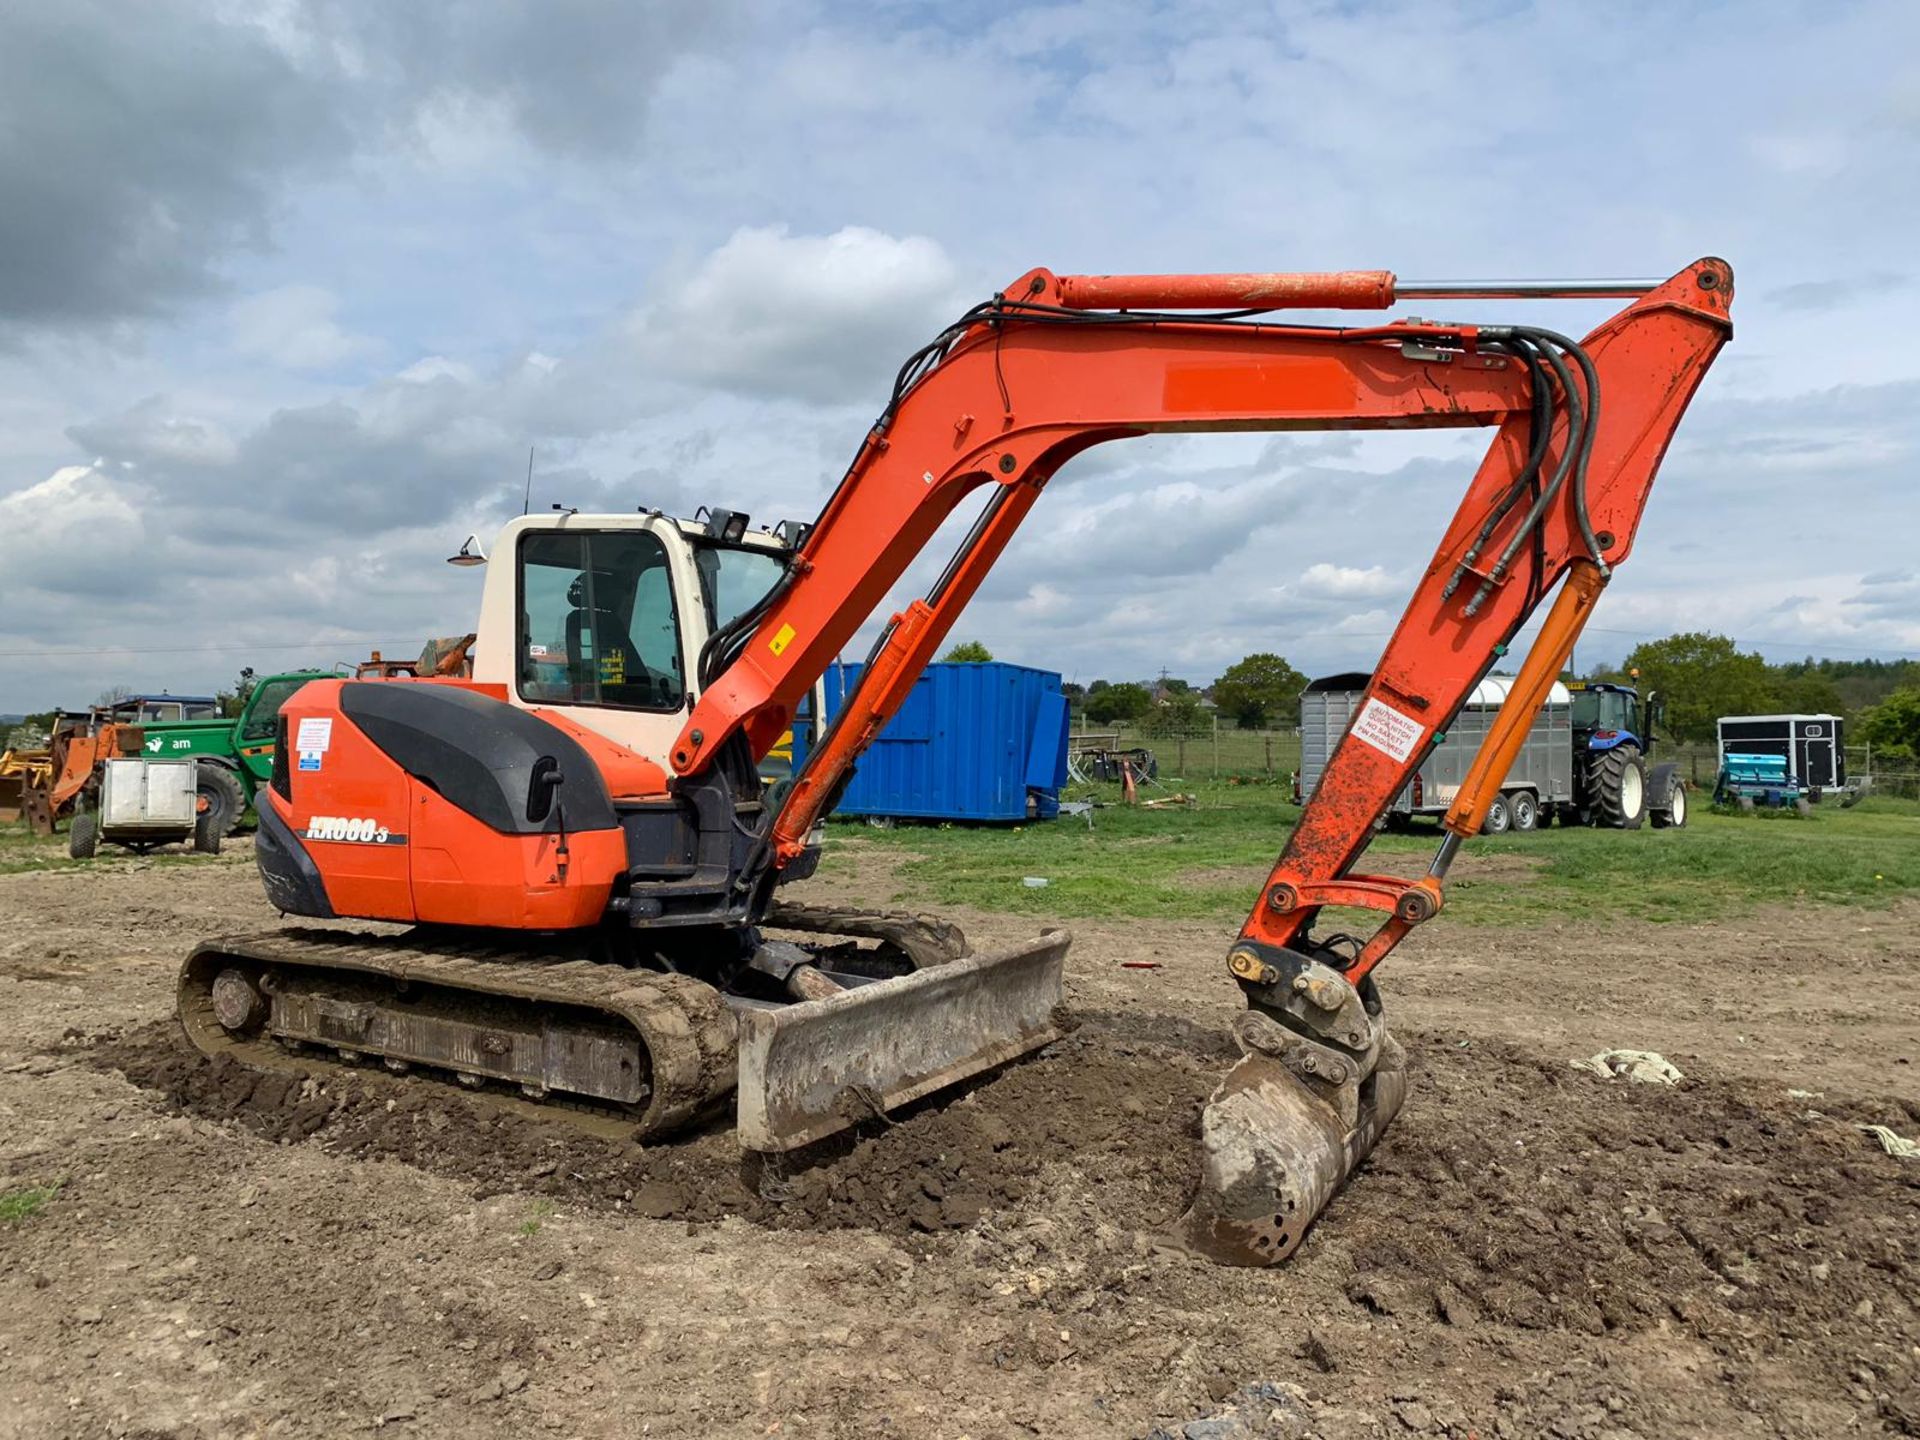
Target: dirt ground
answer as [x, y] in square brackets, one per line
[1533, 1250]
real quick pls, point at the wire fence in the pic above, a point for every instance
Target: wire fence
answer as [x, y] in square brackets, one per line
[1221, 753]
[1899, 778]
[1206, 753]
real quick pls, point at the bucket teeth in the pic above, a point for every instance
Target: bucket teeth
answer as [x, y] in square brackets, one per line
[1282, 1133]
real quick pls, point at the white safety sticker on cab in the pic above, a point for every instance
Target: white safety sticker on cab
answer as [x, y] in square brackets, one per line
[1388, 730]
[315, 736]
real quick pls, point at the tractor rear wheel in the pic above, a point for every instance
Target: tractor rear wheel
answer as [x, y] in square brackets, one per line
[83, 835]
[1617, 788]
[222, 802]
[1524, 809]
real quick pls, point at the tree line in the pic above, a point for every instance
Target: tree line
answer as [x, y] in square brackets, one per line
[1704, 676]
[1260, 692]
[1701, 675]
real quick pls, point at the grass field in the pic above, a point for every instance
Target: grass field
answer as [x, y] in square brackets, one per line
[1205, 862]
[22, 850]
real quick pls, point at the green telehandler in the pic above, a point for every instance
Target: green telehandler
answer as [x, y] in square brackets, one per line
[233, 755]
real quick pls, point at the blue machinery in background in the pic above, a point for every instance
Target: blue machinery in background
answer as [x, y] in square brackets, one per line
[971, 742]
[1749, 780]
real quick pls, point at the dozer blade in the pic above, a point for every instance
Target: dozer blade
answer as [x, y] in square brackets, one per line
[809, 1070]
[1287, 1127]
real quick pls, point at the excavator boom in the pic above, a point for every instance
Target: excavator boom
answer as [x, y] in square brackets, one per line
[1023, 385]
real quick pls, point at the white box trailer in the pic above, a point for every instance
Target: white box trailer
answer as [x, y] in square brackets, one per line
[142, 796]
[1540, 781]
[142, 803]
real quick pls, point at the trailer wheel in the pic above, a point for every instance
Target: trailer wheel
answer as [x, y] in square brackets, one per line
[1524, 809]
[1617, 788]
[220, 796]
[207, 833]
[83, 835]
[1499, 817]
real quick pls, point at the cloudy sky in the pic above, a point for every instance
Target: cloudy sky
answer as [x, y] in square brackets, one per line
[287, 290]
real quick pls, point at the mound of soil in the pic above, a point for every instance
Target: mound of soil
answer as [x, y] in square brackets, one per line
[1125, 1116]
[1515, 1196]
[1536, 1195]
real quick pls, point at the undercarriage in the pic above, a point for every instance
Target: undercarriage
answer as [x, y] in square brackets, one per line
[836, 1015]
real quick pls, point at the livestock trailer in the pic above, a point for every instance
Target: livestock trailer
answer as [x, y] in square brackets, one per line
[1812, 745]
[970, 742]
[1540, 781]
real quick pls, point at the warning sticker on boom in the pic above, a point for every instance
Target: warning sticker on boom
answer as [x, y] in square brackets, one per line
[1388, 730]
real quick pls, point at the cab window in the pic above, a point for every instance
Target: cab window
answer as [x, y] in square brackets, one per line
[267, 701]
[734, 580]
[1602, 710]
[597, 622]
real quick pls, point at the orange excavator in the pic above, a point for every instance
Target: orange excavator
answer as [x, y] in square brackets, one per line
[592, 864]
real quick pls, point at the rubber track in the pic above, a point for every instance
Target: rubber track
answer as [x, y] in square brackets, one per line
[684, 1024]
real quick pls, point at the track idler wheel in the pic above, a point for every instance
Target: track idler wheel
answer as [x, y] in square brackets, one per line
[1319, 1082]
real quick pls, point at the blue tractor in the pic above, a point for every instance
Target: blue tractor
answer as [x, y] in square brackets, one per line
[1612, 783]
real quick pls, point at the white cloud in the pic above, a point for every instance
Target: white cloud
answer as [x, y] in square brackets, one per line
[293, 327]
[427, 369]
[1346, 582]
[812, 317]
[155, 433]
[69, 531]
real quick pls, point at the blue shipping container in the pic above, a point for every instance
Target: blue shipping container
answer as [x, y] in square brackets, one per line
[971, 742]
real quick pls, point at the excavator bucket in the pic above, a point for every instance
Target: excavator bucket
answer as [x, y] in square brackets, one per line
[810, 1069]
[1285, 1130]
